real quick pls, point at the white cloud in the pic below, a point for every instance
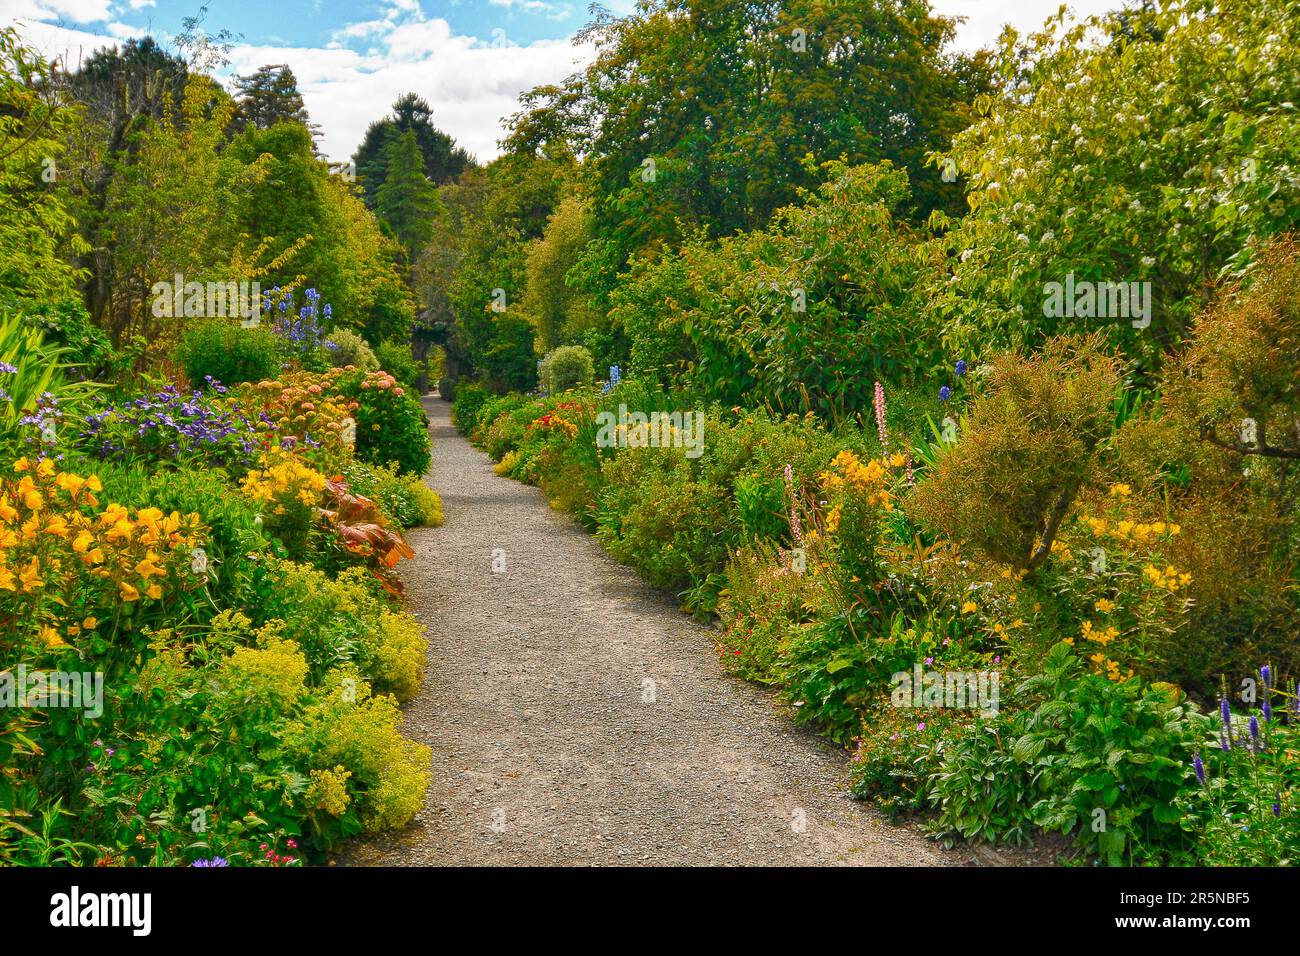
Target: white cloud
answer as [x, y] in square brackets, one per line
[74, 11]
[471, 84]
[985, 18]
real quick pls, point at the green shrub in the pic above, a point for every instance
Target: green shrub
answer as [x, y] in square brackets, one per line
[229, 353]
[447, 389]
[391, 424]
[470, 397]
[403, 497]
[1029, 446]
[565, 368]
[352, 349]
[396, 359]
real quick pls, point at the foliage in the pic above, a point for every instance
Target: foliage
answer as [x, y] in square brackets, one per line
[565, 368]
[1160, 154]
[1026, 450]
[218, 350]
[352, 349]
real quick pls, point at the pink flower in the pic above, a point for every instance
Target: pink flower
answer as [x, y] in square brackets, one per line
[881, 430]
[921, 725]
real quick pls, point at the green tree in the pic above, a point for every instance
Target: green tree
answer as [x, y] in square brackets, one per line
[444, 161]
[268, 96]
[35, 221]
[406, 200]
[1166, 156]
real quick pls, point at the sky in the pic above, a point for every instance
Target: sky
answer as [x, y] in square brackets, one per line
[469, 58]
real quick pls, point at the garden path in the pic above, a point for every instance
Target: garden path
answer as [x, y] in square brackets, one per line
[577, 717]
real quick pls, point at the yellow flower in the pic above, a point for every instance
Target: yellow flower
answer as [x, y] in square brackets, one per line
[1105, 606]
[129, 593]
[154, 591]
[7, 580]
[969, 607]
[90, 623]
[1120, 491]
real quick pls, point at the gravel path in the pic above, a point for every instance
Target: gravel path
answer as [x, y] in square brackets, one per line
[577, 717]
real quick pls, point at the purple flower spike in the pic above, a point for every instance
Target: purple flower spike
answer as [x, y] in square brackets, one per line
[1199, 766]
[1267, 674]
[1226, 713]
[945, 393]
[1254, 730]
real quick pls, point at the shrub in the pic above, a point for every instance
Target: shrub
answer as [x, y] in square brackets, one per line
[357, 740]
[403, 497]
[340, 621]
[447, 389]
[1028, 448]
[470, 397]
[216, 350]
[352, 349]
[391, 425]
[565, 368]
[396, 359]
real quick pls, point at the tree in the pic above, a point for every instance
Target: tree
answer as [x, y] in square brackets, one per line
[269, 96]
[700, 112]
[406, 200]
[1164, 161]
[443, 160]
[120, 91]
[32, 119]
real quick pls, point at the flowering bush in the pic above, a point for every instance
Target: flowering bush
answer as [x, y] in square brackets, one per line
[67, 563]
[168, 428]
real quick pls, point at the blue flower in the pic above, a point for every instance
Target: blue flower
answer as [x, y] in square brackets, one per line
[1199, 766]
[961, 368]
[945, 393]
[1267, 674]
[215, 861]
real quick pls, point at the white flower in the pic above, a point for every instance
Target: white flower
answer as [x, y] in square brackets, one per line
[1148, 261]
[1022, 239]
[1048, 236]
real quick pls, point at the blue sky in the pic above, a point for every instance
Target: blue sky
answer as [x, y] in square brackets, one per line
[469, 58]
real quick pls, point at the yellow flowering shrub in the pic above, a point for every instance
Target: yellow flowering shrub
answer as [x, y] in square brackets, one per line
[329, 791]
[348, 730]
[272, 676]
[67, 563]
[1116, 565]
[289, 492]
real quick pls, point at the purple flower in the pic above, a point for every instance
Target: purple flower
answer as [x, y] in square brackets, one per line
[1226, 713]
[945, 393]
[1277, 809]
[215, 861]
[1199, 766]
[1267, 674]
[1267, 709]
[1254, 730]
[961, 368]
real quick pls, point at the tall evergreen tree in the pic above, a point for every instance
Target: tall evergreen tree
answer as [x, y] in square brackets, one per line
[443, 160]
[268, 96]
[406, 200]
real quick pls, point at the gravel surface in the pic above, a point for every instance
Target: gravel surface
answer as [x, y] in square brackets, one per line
[577, 717]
